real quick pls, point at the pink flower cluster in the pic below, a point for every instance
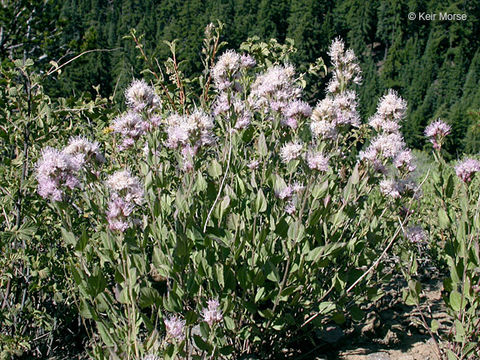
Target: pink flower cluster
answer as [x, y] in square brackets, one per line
[291, 151]
[130, 126]
[389, 143]
[275, 89]
[60, 170]
[233, 107]
[339, 108]
[126, 192]
[388, 147]
[212, 313]
[289, 193]
[55, 172]
[415, 234]
[395, 188]
[142, 102]
[227, 75]
[390, 111]
[436, 132]
[467, 169]
[84, 151]
[295, 112]
[333, 112]
[188, 133]
[226, 71]
[317, 161]
[140, 96]
[346, 68]
[175, 327]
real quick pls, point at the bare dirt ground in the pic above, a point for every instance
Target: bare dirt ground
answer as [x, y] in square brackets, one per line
[393, 331]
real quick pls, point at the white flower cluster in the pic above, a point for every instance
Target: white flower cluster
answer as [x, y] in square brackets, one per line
[389, 143]
[60, 170]
[346, 68]
[188, 133]
[389, 147]
[142, 102]
[140, 96]
[274, 89]
[291, 151]
[226, 74]
[226, 71]
[126, 192]
[339, 108]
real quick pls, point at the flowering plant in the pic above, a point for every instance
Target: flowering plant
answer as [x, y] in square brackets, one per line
[453, 222]
[237, 221]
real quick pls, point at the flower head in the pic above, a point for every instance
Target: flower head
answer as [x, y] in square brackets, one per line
[252, 165]
[274, 89]
[56, 171]
[285, 193]
[346, 68]
[296, 109]
[404, 160]
[117, 214]
[323, 129]
[247, 61]
[130, 126]
[140, 96]
[436, 132]
[212, 313]
[224, 72]
[290, 208]
[151, 357]
[390, 188]
[127, 186]
[392, 107]
[467, 169]
[84, 150]
[175, 327]
[290, 151]
[317, 161]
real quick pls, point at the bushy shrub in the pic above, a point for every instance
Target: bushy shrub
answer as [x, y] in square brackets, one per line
[452, 218]
[36, 302]
[232, 224]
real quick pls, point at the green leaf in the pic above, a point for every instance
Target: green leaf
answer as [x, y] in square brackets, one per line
[339, 318]
[262, 145]
[86, 311]
[267, 313]
[354, 178]
[450, 186]
[451, 355]
[296, 231]
[260, 202]
[82, 242]
[226, 350]
[215, 169]
[148, 297]
[455, 300]
[105, 335]
[357, 313]
[69, 237]
[201, 183]
[229, 323]
[460, 330]
[443, 219]
[201, 344]
[96, 284]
